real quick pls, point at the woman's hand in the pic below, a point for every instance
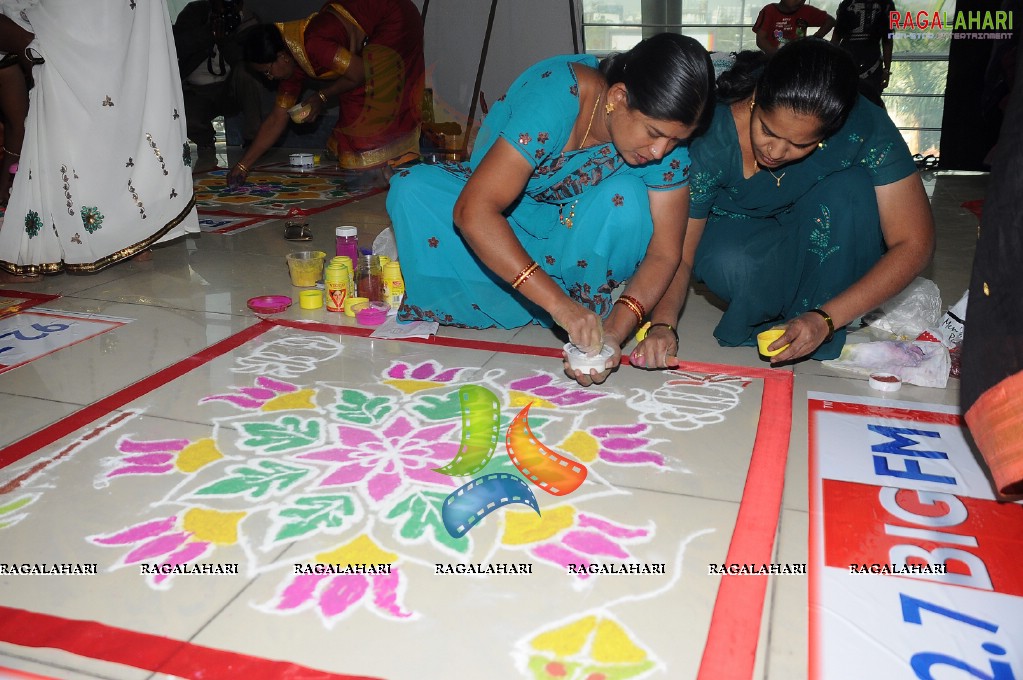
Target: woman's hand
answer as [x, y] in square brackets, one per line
[803, 335]
[317, 104]
[237, 176]
[657, 350]
[585, 328]
[587, 378]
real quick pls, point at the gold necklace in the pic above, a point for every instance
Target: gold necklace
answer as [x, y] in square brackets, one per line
[777, 179]
[590, 124]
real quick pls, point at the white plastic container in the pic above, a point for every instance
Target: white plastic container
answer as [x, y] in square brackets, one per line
[578, 360]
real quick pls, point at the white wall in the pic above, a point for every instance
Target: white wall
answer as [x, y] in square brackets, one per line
[524, 32]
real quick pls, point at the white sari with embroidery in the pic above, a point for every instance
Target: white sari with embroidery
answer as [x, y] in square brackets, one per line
[104, 171]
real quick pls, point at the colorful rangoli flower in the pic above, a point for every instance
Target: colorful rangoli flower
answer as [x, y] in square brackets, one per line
[544, 386]
[335, 595]
[410, 379]
[564, 536]
[384, 457]
[161, 456]
[267, 395]
[616, 444]
[594, 647]
[173, 540]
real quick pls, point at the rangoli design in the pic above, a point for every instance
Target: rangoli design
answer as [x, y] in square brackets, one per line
[356, 479]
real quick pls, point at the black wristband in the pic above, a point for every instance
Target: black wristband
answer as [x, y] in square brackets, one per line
[669, 327]
[827, 318]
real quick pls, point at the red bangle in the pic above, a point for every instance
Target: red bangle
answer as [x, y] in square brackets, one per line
[524, 274]
[634, 305]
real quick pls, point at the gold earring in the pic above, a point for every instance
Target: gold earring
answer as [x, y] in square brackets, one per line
[752, 103]
[609, 107]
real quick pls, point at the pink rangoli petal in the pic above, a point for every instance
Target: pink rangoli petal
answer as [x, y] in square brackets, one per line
[159, 445]
[593, 543]
[383, 485]
[138, 533]
[341, 593]
[385, 595]
[141, 470]
[275, 385]
[161, 545]
[299, 591]
[562, 557]
[585, 521]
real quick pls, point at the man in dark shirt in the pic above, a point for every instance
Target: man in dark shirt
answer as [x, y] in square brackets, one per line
[862, 29]
[215, 82]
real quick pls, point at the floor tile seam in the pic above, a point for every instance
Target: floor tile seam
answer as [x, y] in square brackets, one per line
[134, 303]
[104, 282]
[7, 393]
[249, 582]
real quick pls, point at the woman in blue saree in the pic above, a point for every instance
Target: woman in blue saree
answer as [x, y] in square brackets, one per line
[807, 209]
[577, 183]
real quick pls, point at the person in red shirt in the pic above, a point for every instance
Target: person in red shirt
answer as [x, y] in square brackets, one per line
[787, 20]
[369, 55]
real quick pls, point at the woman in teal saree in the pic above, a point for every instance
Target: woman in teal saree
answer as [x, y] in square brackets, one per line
[807, 210]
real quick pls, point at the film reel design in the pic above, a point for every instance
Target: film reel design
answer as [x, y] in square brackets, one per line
[481, 424]
[552, 472]
[469, 504]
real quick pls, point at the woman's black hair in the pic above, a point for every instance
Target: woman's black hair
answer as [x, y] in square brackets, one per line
[668, 77]
[262, 43]
[810, 77]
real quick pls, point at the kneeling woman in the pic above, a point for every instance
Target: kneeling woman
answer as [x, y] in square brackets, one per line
[577, 182]
[807, 209]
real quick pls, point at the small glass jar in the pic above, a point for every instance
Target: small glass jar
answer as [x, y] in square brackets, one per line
[369, 279]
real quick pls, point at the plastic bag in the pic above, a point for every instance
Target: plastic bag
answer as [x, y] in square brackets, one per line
[909, 313]
[918, 363]
[384, 244]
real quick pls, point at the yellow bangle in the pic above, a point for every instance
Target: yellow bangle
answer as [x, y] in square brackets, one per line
[323, 97]
[242, 167]
[645, 329]
[524, 274]
[634, 305]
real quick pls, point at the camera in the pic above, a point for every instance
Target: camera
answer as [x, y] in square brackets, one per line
[227, 17]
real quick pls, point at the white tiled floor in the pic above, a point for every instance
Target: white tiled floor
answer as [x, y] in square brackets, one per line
[193, 294]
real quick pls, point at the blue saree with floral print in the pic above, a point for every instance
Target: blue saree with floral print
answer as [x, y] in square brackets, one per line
[584, 215]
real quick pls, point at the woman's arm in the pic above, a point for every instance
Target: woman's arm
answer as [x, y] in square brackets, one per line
[270, 130]
[908, 229]
[13, 38]
[670, 211]
[660, 348]
[497, 183]
[653, 277]
[353, 78]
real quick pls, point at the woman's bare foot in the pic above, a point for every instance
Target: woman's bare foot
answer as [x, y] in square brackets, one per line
[145, 256]
[9, 278]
